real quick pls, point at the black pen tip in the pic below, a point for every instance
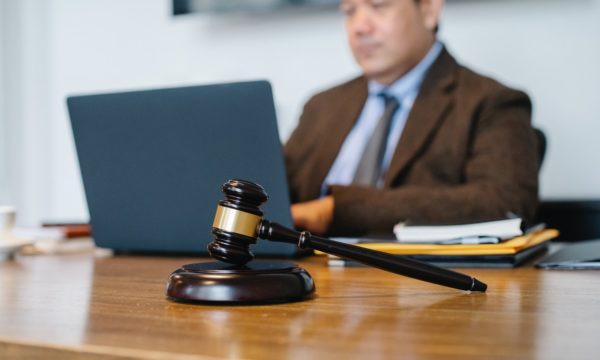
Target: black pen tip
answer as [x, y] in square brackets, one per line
[478, 286]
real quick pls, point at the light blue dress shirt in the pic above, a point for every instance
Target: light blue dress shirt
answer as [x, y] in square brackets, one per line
[405, 90]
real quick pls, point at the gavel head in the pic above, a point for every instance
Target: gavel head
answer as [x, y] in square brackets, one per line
[236, 221]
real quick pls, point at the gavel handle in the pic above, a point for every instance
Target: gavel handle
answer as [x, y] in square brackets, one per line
[392, 263]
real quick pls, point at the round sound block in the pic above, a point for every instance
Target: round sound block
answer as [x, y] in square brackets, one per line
[256, 282]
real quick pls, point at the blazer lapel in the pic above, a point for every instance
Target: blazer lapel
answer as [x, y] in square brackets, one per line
[346, 111]
[430, 108]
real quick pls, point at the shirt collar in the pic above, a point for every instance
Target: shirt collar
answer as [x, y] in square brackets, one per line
[411, 81]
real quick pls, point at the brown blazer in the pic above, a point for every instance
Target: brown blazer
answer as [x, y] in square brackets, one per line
[467, 153]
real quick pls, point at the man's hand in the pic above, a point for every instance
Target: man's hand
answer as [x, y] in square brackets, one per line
[314, 216]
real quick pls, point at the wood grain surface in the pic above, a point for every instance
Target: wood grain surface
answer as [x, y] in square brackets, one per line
[80, 306]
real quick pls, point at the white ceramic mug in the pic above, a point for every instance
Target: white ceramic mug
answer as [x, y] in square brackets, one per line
[8, 215]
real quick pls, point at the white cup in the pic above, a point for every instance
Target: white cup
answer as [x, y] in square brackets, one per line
[8, 215]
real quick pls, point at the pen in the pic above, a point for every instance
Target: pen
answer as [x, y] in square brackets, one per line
[535, 228]
[469, 240]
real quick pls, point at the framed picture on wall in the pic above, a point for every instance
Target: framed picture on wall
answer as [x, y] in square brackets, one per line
[182, 7]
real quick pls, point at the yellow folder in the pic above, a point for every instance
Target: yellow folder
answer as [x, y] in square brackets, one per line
[511, 246]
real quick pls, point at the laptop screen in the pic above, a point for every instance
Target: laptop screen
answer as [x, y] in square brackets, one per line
[153, 162]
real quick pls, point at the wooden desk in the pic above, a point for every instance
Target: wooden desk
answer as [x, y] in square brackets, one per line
[83, 307]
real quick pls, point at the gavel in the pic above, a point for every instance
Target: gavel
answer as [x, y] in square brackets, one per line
[239, 223]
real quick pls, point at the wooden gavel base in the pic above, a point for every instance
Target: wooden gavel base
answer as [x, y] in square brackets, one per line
[257, 282]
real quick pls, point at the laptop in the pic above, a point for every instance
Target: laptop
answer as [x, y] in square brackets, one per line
[153, 163]
[579, 256]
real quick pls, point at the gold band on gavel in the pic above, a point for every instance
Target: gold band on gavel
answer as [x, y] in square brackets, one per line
[236, 221]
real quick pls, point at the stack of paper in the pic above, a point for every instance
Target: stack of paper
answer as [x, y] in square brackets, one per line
[511, 246]
[477, 233]
[509, 253]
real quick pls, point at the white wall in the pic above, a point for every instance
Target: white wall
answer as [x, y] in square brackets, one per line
[25, 90]
[552, 50]
[549, 48]
[3, 146]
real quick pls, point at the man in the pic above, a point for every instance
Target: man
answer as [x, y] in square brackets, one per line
[456, 146]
